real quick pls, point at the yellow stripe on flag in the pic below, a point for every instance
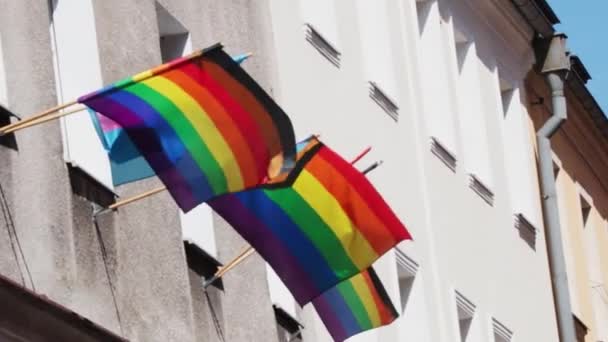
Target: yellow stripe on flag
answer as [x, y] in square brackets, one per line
[362, 289]
[204, 126]
[328, 208]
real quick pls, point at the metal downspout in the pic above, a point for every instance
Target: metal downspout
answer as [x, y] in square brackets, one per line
[559, 278]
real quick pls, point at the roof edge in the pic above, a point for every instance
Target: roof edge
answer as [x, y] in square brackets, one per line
[538, 14]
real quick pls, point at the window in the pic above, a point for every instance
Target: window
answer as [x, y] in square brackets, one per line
[406, 271]
[288, 327]
[585, 209]
[414, 319]
[438, 100]
[471, 115]
[202, 263]
[320, 27]
[206, 303]
[580, 329]
[466, 312]
[87, 186]
[501, 332]
[174, 37]
[73, 29]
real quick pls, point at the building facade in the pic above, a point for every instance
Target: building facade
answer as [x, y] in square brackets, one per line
[580, 165]
[440, 89]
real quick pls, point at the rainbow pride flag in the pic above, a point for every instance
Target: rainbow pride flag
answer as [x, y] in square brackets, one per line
[355, 305]
[203, 124]
[126, 163]
[319, 225]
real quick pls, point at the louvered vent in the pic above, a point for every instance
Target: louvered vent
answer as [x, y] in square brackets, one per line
[501, 332]
[481, 189]
[447, 157]
[527, 231]
[384, 101]
[322, 45]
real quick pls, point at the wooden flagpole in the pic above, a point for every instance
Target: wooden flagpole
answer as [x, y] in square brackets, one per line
[22, 125]
[223, 270]
[137, 197]
[38, 116]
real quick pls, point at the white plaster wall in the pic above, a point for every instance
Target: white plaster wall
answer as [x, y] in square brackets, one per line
[78, 72]
[461, 242]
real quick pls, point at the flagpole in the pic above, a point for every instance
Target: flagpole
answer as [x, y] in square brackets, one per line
[361, 155]
[136, 198]
[49, 117]
[38, 116]
[232, 264]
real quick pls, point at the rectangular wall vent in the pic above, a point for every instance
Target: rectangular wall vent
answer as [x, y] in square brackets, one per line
[501, 332]
[447, 157]
[322, 45]
[384, 101]
[408, 264]
[481, 189]
[527, 231]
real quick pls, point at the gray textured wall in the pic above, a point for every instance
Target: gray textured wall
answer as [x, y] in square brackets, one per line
[154, 296]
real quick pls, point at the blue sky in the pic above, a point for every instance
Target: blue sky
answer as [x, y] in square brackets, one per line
[584, 21]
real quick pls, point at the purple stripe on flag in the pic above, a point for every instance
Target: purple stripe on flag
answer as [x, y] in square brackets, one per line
[335, 313]
[329, 318]
[147, 140]
[267, 245]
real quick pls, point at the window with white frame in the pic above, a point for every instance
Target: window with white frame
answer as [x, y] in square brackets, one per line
[438, 100]
[320, 25]
[472, 116]
[378, 53]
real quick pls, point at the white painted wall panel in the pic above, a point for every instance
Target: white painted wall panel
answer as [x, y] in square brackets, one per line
[78, 72]
[438, 99]
[519, 160]
[376, 44]
[321, 14]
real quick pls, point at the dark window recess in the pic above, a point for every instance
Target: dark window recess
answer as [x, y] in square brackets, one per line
[290, 330]
[581, 329]
[585, 209]
[383, 100]
[5, 119]
[173, 35]
[202, 263]
[501, 332]
[322, 45]
[447, 157]
[527, 231]
[481, 189]
[85, 185]
[466, 312]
